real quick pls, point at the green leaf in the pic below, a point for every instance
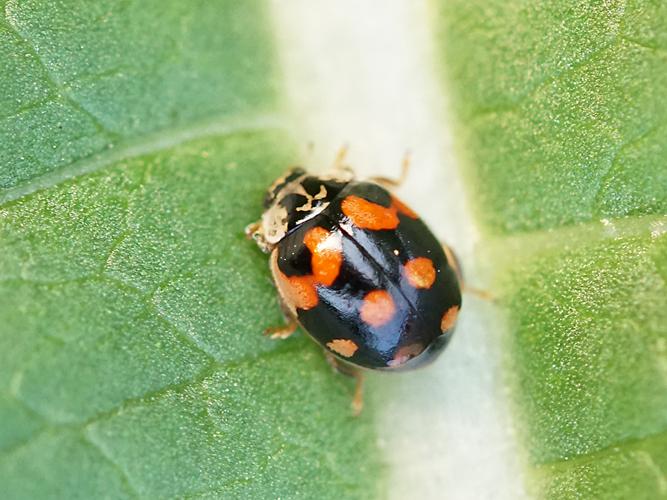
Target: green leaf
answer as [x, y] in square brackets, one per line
[136, 141]
[562, 114]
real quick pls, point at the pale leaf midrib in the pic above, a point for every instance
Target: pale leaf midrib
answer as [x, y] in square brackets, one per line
[148, 144]
[510, 249]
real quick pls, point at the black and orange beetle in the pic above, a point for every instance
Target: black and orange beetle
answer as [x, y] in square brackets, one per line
[358, 270]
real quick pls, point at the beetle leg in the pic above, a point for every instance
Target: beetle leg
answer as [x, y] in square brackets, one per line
[389, 182]
[283, 331]
[255, 232]
[478, 292]
[453, 261]
[350, 371]
[251, 229]
[338, 365]
[286, 330]
[358, 399]
[339, 160]
[333, 362]
[341, 169]
[465, 288]
[310, 148]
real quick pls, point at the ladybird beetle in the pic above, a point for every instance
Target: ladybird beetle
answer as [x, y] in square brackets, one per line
[358, 270]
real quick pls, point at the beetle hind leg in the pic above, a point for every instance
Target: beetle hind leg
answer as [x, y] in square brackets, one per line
[454, 261]
[357, 403]
[478, 292]
[358, 399]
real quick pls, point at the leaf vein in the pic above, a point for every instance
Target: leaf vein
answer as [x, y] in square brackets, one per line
[124, 476]
[52, 81]
[146, 398]
[609, 170]
[485, 113]
[611, 449]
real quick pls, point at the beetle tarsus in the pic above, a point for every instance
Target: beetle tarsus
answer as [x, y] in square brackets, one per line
[392, 183]
[478, 292]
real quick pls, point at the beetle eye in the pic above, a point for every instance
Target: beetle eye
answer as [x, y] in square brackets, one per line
[291, 175]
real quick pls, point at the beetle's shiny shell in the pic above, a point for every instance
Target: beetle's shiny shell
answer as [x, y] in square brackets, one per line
[363, 275]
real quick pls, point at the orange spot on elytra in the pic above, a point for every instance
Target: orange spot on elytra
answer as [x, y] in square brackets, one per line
[327, 254]
[403, 208]
[297, 291]
[449, 318]
[315, 236]
[405, 354]
[378, 308]
[343, 347]
[368, 215]
[300, 291]
[420, 272]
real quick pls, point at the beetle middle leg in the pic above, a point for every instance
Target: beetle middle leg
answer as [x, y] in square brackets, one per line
[286, 330]
[282, 331]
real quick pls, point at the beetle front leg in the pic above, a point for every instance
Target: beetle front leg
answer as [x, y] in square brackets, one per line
[251, 229]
